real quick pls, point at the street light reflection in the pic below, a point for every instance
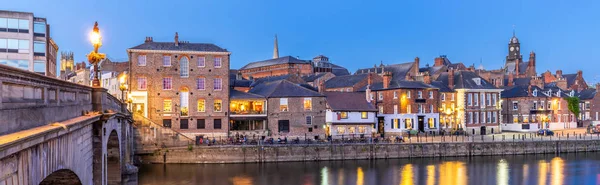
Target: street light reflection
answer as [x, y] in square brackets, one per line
[360, 176]
[502, 172]
[542, 172]
[557, 165]
[324, 176]
[452, 172]
[430, 174]
[406, 176]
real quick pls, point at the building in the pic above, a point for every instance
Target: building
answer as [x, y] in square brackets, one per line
[181, 85]
[25, 43]
[81, 74]
[349, 114]
[318, 78]
[447, 105]
[590, 105]
[292, 110]
[351, 83]
[248, 114]
[67, 65]
[113, 74]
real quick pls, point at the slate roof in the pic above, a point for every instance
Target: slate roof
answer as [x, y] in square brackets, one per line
[339, 70]
[282, 89]
[523, 67]
[586, 94]
[522, 91]
[344, 81]
[235, 94]
[269, 79]
[400, 84]
[349, 101]
[570, 79]
[182, 46]
[399, 71]
[464, 80]
[312, 77]
[280, 60]
[442, 86]
[240, 83]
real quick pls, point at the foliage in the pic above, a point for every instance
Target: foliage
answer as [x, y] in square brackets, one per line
[190, 147]
[573, 105]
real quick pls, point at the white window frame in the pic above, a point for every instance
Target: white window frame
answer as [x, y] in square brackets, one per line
[395, 94]
[218, 60]
[469, 99]
[139, 60]
[430, 94]
[203, 59]
[420, 94]
[167, 58]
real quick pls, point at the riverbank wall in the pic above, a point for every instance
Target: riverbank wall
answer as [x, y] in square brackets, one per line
[324, 152]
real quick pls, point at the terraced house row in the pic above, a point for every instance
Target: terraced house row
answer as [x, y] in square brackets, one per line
[189, 87]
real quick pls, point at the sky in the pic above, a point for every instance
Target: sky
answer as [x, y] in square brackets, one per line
[352, 33]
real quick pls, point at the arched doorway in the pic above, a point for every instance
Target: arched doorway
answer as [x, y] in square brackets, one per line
[64, 176]
[113, 159]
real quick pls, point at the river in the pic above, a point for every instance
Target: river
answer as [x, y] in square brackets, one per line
[580, 169]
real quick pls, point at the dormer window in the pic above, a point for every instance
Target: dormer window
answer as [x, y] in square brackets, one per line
[477, 81]
[535, 93]
[572, 93]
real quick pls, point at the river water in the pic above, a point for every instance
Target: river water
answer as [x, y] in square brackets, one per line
[580, 169]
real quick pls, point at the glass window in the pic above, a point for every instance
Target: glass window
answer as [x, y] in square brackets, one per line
[3, 44]
[167, 106]
[184, 65]
[430, 94]
[431, 122]
[141, 82]
[352, 130]
[184, 103]
[200, 83]
[515, 119]
[23, 46]
[218, 84]
[283, 104]
[408, 94]
[420, 94]
[309, 120]
[166, 60]
[39, 47]
[23, 24]
[217, 124]
[307, 104]
[380, 109]
[341, 129]
[218, 105]
[395, 95]
[364, 115]
[380, 95]
[344, 115]
[408, 123]
[167, 85]
[443, 96]
[39, 66]
[201, 62]
[13, 23]
[201, 105]
[217, 62]
[515, 105]
[39, 27]
[284, 125]
[361, 129]
[3, 23]
[141, 60]
[200, 124]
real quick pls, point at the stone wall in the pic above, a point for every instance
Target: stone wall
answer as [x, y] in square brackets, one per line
[275, 153]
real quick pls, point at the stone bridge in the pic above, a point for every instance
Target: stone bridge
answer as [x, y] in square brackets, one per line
[57, 132]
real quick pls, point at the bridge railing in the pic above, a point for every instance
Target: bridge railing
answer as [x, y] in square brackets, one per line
[29, 100]
[151, 136]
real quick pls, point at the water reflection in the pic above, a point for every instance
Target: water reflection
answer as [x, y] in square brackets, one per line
[525, 169]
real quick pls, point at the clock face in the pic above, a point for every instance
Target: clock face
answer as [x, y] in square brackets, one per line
[517, 48]
[512, 48]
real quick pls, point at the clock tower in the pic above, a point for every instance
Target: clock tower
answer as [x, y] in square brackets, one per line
[514, 49]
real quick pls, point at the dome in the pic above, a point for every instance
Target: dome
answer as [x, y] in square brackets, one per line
[514, 40]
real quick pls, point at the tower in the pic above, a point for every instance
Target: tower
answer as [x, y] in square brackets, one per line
[275, 49]
[67, 62]
[514, 49]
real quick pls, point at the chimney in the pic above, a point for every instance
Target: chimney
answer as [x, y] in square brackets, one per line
[532, 58]
[579, 74]
[275, 48]
[510, 79]
[439, 61]
[529, 90]
[517, 62]
[176, 39]
[368, 93]
[427, 79]
[416, 69]
[559, 74]
[148, 39]
[387, 77]
[321, 87]
[451, 78]
[369, 78]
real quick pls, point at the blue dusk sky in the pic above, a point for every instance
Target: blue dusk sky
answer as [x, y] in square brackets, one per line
[355, 34]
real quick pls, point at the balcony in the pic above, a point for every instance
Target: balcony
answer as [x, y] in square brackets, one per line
[245, 108]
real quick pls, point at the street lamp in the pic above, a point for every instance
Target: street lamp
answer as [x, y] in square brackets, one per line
[122, 87]
[94, 57]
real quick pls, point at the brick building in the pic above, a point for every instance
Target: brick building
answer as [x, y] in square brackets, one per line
[349, 114]
[181, 85]
[293, 110]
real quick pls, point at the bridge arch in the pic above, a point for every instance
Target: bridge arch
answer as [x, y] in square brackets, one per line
[113, 158]
[62, 176]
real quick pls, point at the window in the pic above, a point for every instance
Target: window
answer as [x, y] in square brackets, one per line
[380, 95]
[217, 62]
[420, 108]
[3, 24]
[489, 117]
[476, 117]
[431, 108]
[430, 94]
[284, 125]
[470, 117]
[395, 95]
[443, 97]
[431, 123]
[184, 103]
[371, 96]
[408, 109]
[515, 119]
[167, 106]
[141, 60]
[344, 115]
[476, 99]
[408, 123]
[341, 130]
[348, 90]
[408, 94]
[534, 107]
[283, 104]
[420, 94]
[201, 62]
[167, 85]
[141, 83]
[559, 105]
[218, 84]
[495, 117]
[494, 99]
[309, 120]
[352, 130]
[469, 99]
[310, 129]
[218, 105]
[166, 61]
[364, 115]
[362, 129]
[167, 123]
[38, 27]
[549, 106]
[23, 25]
[395, 109]
[39, 47]
[184, 64]
[542, 104]
[307, 104]
[452, 95]
[183, 124]
[200, 124]
[395, 124]
[200, 85]
[39, 66]
[488, 99]
[217, 124]
[201, 105]
[24, 46]
[515, 105]
[525, 118]
[380, 109]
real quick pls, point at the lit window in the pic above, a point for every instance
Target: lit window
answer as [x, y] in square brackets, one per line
[184, 65]
[431, 123]
[452, 95]
[201, 105]
[364, 115]
[380, 109]
[341, 130]
[408, 123]
[167, 106]
[166, 60]
[141, 83]
[218, 105]
[167, 85]
[408, 94]
[352, 130]
[307, 104]
[218, 62]
[201, 62]
[141, 60]
[515, 119]
[344, 115]
[200, 83]
[218, 84]
[362, 129]
[283, 104]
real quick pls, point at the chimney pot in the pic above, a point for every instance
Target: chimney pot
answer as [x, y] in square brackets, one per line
[451, 78]
[387, 77]
[176, 39]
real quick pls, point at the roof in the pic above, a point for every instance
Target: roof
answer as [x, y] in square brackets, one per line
[522, 91]
[282, 89]
[344, 81]
[313, 77]
[523, 67]
[399, 84]
[339, 70]
[182, 46]
[399, 71]
[570, 79]
[270, 79]
[349, 101]
[586, 94]
[280, 60]
[466, 80]
[442, 86]
[240, 83]
[235, 94]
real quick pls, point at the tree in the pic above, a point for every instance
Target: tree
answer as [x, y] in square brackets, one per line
[573, 105]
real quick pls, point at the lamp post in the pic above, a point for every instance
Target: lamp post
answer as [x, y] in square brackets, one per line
[122, 86]
[94, 57]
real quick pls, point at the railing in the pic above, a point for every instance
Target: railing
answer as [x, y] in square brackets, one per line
[151, 136]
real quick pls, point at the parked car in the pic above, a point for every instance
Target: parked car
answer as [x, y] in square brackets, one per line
[546, 132]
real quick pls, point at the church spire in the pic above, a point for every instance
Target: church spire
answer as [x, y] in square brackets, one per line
[276, 49]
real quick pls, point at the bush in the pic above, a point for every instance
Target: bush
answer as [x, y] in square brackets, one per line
[190, 147]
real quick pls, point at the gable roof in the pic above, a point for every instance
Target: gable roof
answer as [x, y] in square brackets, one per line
[235, 94]
[282, 89]
[275, 61]
[348, 101]
[465, 80]
[442, 86]
[522, 91]
[399, 71]
[586, 94]
[570, 79]
[339, 70]
[344, 81]
[182, 46]
[399, 84]
[313, 77]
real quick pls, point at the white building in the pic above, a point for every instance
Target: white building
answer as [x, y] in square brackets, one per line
[348, 114]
